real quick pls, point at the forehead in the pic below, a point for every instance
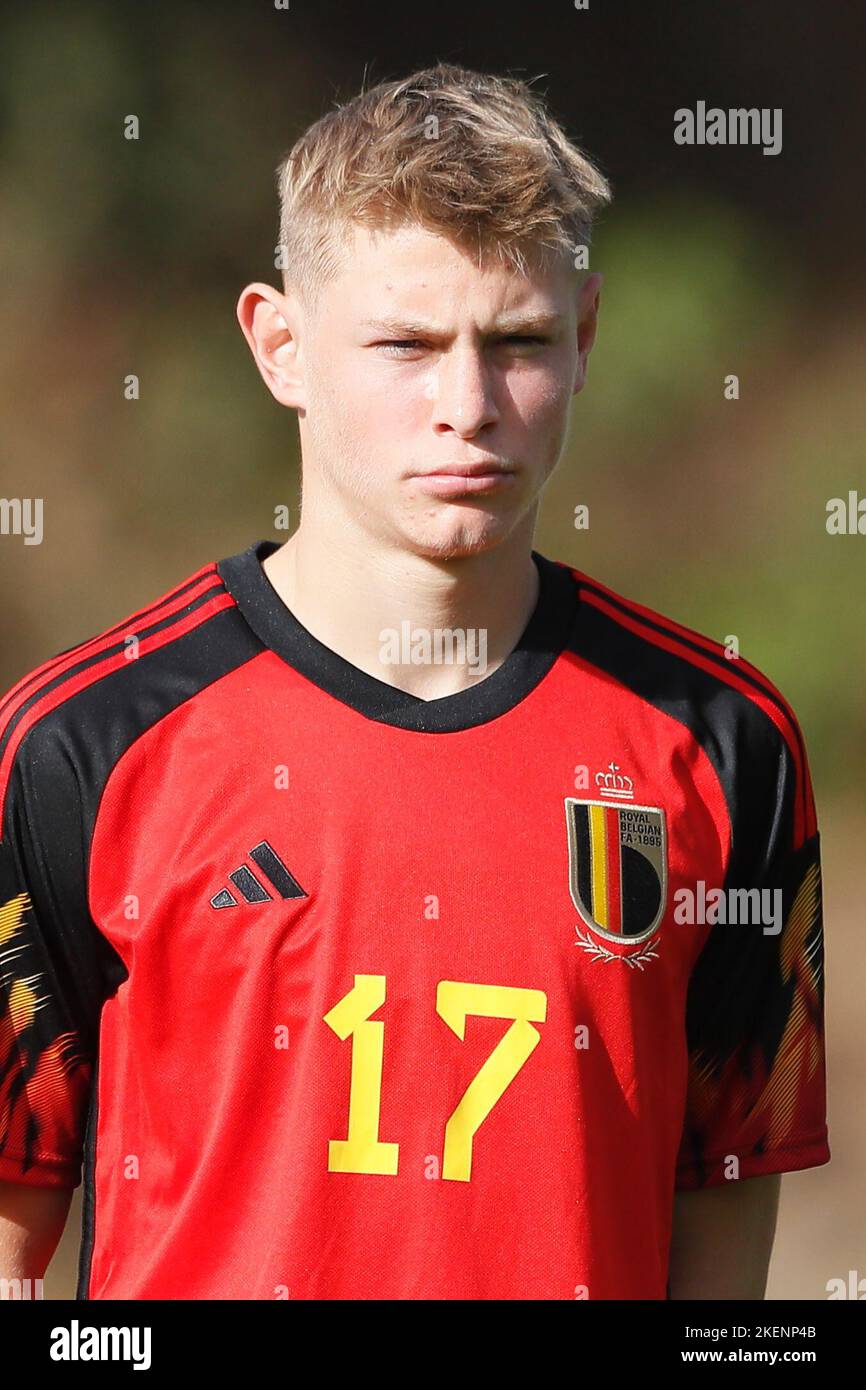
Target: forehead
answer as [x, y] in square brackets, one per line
[412, 268]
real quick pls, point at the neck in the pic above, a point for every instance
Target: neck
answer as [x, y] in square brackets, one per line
[389, 611]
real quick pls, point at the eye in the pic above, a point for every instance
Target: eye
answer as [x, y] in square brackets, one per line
[397, 346]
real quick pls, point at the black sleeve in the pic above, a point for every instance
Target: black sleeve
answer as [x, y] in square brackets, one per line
[756, 1100]
[50, 992]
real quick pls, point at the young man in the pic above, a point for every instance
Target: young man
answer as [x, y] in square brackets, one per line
[352, 971]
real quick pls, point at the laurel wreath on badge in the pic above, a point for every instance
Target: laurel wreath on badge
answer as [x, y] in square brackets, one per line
[600, 952]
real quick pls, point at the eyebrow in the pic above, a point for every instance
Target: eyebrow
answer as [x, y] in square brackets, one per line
[517, 322]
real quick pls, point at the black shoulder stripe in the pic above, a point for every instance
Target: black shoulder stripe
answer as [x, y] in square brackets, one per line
[102, 655]
[65, 760]
[741, 742]
[715, 657]
[43, 671]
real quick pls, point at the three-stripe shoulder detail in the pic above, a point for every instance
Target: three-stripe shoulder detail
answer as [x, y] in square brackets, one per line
[709, 656]
[40, 691]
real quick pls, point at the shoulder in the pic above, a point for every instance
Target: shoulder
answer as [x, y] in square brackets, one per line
[78, 709]
[632, 629]
[732, 707]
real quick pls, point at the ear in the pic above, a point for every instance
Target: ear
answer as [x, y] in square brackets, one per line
[588, 300]
[271, 322]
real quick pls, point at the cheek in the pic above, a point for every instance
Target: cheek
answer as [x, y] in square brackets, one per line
[375, 418]
[366, 381]
[352, 403]
[386, 405]
[541, 400]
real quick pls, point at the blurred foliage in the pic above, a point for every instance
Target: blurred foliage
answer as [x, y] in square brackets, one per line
[711, 510]
[125, 257]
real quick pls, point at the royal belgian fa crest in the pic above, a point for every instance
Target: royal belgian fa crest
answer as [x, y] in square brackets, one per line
[617, 857]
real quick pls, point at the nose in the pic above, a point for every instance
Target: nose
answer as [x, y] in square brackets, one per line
[462, 390]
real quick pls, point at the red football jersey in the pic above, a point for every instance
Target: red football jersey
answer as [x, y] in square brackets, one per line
[338, 993]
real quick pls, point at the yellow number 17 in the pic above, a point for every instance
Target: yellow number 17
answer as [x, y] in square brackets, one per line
[362, 1151]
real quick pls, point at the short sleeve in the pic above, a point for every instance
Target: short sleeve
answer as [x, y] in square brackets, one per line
[756, 1087]
[46, 1061]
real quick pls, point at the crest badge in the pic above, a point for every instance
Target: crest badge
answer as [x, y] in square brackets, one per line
[618, 871]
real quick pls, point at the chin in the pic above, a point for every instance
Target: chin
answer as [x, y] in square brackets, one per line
[459, 538]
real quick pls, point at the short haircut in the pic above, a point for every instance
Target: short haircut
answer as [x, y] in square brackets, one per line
[468, 155]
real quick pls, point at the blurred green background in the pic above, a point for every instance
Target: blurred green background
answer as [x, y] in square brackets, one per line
[127, 257]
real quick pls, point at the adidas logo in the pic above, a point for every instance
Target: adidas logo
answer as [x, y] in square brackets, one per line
[249, 887]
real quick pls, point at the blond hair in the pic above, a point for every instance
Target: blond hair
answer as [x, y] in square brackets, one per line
[471, 156]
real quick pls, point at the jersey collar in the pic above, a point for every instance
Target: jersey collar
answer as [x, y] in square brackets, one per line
[543, 639]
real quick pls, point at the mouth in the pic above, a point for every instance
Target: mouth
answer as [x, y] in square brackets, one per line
[451, 479]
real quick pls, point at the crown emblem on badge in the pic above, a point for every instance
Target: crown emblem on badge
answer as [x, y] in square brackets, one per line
[614, 787]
